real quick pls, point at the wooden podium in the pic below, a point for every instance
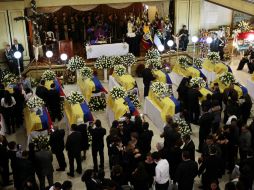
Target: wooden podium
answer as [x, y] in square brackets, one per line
[66, 46]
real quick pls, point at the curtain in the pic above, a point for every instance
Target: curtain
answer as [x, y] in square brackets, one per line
[119, 5]
[84, 7]
[49, 9]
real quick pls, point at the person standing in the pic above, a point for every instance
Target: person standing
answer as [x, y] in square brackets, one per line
[9, 55]
[54, 103]
[145, 139]
[8, 102]
[214, 46]
[248, 58]
[184, 33]
[42, 91]
[189, 146]
[74, 148]
[147, 79]
[161, 172]
[18, 47]
[186, 171]
[82, 128]
[193, 103]
[44, 167]
[97, 132]
[56, 142]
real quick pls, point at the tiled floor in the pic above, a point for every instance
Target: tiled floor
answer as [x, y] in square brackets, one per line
[20, 135]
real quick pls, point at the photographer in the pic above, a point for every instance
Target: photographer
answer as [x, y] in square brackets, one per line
[249, 59]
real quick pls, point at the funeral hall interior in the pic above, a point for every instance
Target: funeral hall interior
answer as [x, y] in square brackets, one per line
[126, 94]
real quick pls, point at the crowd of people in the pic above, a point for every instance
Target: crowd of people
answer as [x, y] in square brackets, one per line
[129, 148]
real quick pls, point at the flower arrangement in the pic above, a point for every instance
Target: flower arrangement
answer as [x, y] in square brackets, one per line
[75, 97]
[118, 92]
[156, 63]
[10, 78]
[184, 128]
[48, 75]
[34, 82]
[152, 54]
[41, 142]
[160, 89]
[183, 61]
[3, 73]
[134, 99]
[104, 62]
[214, 57]
[227, 78]
[198, 62]
[34, 103]
[243, 26]
[119, 70]
[75, 63]
[117, 60]
[129, 59]
[97, 103]
[198, 81]
[86, 72]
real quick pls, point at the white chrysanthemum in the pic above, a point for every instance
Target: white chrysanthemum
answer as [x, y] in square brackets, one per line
[213, 57]
[86, 72]
[75, 63]
[198, 62]
[118, 92]
[227, 78]
[198, 81]
[10, 78]
[129, 59]
[156, 63]
[119, 70]
[184, 128]
[152, 54]
[75, 97]
[104, 62]
[34, 102]
[48, 75]
[161, 89]
[183, 61]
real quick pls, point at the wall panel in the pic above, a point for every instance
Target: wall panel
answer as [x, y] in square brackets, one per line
[4, 33]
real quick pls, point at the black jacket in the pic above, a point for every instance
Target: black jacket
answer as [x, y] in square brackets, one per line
[145, 140]
[42, 92]
[74, 143]
[56, 140]
[193, 99]
[190, 147]
[82, 128]
[147, 76]
[97, 134]
[185, 174]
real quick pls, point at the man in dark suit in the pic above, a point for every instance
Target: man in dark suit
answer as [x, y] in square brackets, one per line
[189, 146]
[44, 167]
[74, 148]
[82, 128]
[186, 171]
[9, 55]
[56, 142]
[205, 123]
[42, 91]
[214, 46]
[193, 103]
[97, 132]
[147, 78]
[54, 103]
[248, 58]
[145, 139]
[18, 47]
[4, 160]
[211, 168]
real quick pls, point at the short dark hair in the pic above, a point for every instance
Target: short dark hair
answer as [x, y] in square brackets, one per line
[156, 155]
[57, 185]
[145, 125]
[186, 154]
[186, 137]
[52, 85]
[98, 123]
[74, 127]
[42, 82]
[67, 185]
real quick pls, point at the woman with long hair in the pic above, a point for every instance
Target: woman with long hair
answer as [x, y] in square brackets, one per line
[8, 102]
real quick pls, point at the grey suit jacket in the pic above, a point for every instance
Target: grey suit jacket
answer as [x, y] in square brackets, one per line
[43, 161]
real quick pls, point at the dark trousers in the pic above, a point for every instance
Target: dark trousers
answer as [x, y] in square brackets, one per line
[61, 159]
[232, 157]
[162, 186]
[78, 161]
[5, 172]
[194, 115]
[146, 90]
[95, 150]
[42, 180]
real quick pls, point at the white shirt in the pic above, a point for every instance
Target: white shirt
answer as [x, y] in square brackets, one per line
[3, 104]
[162, 172]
